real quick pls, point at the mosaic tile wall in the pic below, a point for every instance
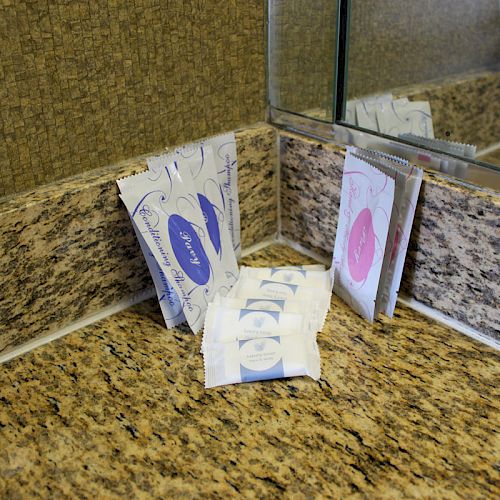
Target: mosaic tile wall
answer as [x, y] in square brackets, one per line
[87, 83]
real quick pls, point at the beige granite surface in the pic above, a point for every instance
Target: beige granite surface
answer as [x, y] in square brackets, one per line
[452, 261]
[404, 409]
[67, 250]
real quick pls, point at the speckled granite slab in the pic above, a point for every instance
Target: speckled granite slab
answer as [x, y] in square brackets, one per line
[67, 250]
[452, 262]
[404, 409]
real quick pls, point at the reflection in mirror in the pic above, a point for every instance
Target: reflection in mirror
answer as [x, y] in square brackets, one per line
[428, 73]
[301, 43]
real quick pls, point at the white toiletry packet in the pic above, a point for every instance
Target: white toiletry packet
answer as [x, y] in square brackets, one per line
[226, 167]
[312, 279]
[402, 117]
[305, 267]
[170, 305]
[166, 211]
[405, 214]
[225, 324]
[316, 310]
[365, 110]
[390, 169]
[408, 183]
[198, 163]
[268, 289]
[261, 358]
[366, 205]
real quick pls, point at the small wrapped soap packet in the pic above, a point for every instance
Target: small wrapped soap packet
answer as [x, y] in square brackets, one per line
[317, 309]
[269, 289]
[303, 277]
[225, 324]
[262, 358]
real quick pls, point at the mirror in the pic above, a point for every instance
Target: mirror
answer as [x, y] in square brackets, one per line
[301, 57]
[426, 73]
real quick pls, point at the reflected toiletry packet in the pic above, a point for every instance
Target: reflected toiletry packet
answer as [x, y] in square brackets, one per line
[226, 166]
[365, 110]
[197, 162]
[268, 289]
[451, 147]
[261, 359]
[223, 324]
[317, 309]
[170, 305]
[366, 204]
[167, 213]
[311, 279]
[402, 117]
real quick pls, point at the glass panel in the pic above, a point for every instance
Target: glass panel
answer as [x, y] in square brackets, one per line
[301, 58]
[429, 69]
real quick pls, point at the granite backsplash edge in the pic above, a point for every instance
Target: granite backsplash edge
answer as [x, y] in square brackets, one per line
[68, 249]
[446, 269]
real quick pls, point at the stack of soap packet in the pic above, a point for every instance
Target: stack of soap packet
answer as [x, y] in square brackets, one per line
[184, 211]
[266, 327]
[377, 206]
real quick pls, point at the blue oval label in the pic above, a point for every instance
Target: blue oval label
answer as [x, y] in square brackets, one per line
[211, 221]
[188, 249]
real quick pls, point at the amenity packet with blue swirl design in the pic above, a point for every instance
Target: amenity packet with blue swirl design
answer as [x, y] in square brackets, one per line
[166, 211]
[226, 168]
[263, 358]
[197, 162]
[170, 305]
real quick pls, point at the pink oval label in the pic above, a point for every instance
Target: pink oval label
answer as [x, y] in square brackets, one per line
[361, 246]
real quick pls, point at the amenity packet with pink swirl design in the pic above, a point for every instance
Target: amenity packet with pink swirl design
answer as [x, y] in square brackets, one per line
[366, 205]
[405, 210]
[166, 211]
[389, 168]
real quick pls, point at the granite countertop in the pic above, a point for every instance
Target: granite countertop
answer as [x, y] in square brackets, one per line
[118, 409]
